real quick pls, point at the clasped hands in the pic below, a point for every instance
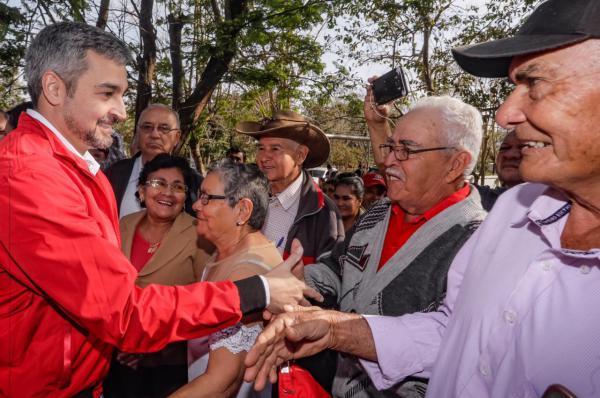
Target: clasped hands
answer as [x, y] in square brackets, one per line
[296, 333]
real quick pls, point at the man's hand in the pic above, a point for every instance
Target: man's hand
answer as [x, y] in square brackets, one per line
[375, 114]
[296, 334]
[376, 117]
[284, 287]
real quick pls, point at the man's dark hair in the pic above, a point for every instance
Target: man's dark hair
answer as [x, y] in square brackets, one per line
[15, 112]
[62, 48]
[233, 150]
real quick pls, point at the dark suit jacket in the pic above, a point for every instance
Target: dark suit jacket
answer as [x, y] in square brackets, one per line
[118, 174]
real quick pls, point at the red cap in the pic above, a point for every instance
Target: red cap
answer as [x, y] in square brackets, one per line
[373, 179]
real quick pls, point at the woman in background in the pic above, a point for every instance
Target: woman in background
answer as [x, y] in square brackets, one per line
[231, 209]
[348, 196]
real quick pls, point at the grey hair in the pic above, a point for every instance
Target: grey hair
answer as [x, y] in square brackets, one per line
[161, 106]
[462, 125]
[244, 181]
[62, 48]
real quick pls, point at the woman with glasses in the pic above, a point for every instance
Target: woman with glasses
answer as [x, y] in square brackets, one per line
[231, 209]
[348, 196]
[161, 243]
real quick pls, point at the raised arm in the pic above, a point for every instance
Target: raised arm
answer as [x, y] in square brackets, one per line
[377, 124]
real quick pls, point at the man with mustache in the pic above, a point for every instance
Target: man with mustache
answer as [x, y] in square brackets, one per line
[395, 259]
[68, 294]
[520, 311]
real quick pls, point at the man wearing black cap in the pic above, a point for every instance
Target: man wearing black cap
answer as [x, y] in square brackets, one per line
[519, 314]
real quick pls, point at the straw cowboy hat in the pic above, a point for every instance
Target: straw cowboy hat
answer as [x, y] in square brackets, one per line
[293, 126]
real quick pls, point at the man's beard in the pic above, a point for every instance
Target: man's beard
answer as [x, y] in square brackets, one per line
[90, 137]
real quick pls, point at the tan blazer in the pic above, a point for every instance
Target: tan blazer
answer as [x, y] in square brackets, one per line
[177, 261]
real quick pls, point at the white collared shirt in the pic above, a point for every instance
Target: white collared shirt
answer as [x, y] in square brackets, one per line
[92, 165]
[283, 208]
[129, 203]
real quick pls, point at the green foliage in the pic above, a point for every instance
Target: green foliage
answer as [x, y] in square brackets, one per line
[12, 51]
[278, 60]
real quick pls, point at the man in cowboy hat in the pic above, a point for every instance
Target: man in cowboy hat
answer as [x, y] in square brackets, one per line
[288, 143]
[520, 314]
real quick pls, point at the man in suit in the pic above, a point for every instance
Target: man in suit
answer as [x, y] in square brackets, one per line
[158, 132]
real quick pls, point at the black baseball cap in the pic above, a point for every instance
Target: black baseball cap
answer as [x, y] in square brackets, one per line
[554, 24]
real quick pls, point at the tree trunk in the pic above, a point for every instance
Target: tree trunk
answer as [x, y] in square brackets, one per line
[195, 155]
[175, 28]
[103, 14]
[147, 61]
[425, 58]
[218, 64]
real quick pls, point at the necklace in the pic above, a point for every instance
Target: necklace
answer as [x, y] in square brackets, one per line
[153, 247]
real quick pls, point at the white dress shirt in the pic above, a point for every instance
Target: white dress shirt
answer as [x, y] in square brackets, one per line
[283, 208]
[129, 203]
[92, 165]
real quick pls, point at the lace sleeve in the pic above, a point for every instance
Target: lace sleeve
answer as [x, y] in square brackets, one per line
[236, 338]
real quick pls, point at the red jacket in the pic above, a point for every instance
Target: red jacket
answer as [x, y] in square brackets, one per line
[67, 293]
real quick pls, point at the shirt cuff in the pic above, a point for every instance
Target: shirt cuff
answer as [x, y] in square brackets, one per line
[396, 358]
[267, 290]
[253, 294]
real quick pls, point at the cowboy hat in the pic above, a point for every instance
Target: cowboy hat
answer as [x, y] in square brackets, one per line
[295, 127]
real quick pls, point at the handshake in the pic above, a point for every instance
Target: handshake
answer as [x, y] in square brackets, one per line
[286, 284]
[296, 330]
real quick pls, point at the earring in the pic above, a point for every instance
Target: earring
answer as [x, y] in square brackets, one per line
[239, 223]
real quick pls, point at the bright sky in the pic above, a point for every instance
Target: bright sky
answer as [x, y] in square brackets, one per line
[363, 72]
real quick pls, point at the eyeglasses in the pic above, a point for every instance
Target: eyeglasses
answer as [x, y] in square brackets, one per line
[163, 186]
[204, 197]
[402, 152]
[147, 128]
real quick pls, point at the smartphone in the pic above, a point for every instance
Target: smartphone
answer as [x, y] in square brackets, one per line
[390, 86]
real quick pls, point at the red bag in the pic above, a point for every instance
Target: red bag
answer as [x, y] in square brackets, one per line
[297, 382]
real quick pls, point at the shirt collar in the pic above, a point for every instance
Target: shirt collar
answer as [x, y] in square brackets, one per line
[549, 207]
[439, 207]
[288, 196]
[92, 164]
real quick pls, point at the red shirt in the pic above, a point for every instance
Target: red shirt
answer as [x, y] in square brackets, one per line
[399, 231]
[141, 251]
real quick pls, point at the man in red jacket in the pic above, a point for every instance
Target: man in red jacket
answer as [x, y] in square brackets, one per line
[67, 293]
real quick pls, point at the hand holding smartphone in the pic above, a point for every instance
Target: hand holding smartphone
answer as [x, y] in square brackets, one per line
[390, 86]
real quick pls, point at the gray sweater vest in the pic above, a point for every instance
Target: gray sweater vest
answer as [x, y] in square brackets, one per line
[412, 280]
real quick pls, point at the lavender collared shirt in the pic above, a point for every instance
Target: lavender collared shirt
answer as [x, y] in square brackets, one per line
[521, 313]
